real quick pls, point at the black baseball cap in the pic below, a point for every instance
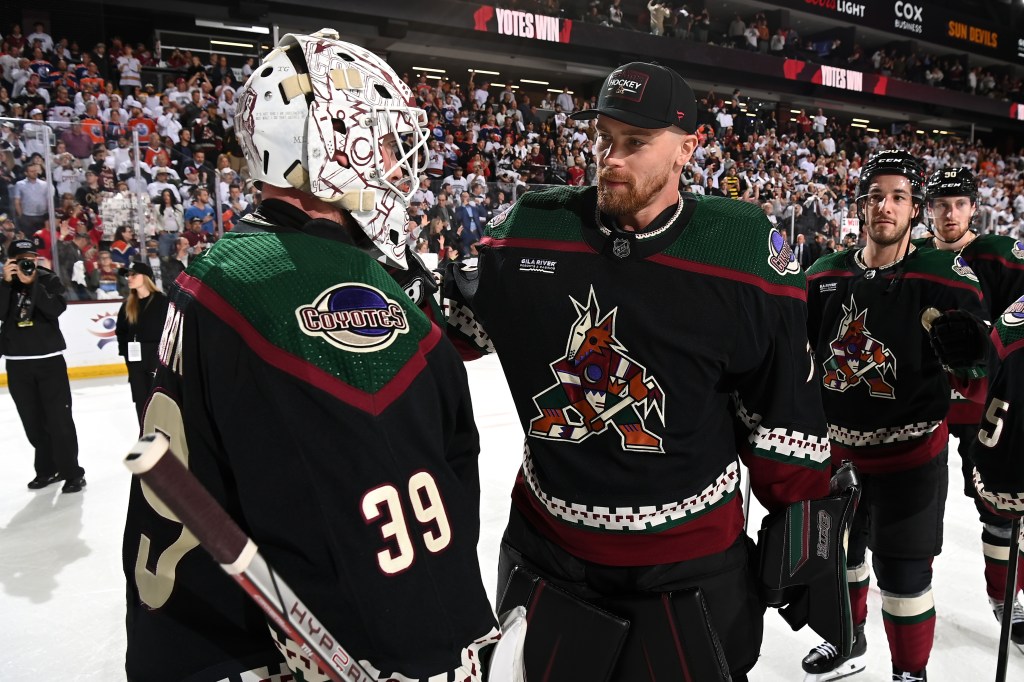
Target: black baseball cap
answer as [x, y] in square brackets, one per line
[645, 94]
[137, 267]
[20, 247]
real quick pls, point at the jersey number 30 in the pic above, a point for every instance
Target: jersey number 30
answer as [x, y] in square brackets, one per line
[385, 502]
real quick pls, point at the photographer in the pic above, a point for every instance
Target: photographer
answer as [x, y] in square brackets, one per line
[31, 300]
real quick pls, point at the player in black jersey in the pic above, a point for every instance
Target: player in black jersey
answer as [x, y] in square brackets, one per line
[996, 452]
[998, 261]
[316, 402]
[886, 396]
[648, 338]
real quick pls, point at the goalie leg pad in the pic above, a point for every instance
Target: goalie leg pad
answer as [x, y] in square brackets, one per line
[803, 562]
[568, 638]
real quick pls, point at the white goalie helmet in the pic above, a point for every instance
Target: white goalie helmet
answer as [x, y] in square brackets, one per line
[333, 119]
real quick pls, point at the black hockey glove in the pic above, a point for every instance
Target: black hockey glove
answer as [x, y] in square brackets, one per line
[959, 339]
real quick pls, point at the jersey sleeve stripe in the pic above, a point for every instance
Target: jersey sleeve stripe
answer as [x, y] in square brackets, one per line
[371, 403]
[791, 290]
[1002, 349]
[948, 282]
[1002, 260]
[547, 244]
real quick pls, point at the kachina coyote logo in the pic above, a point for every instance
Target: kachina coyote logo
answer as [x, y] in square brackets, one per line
[598, 386]
[857, 356]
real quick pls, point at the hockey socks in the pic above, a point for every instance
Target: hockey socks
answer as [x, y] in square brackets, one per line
[859, 579]
[910, 628]
[995, 543]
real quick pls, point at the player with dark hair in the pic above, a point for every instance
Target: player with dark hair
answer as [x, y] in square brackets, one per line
[316, 402]
[998, 261]
[886, 394]
[648, 336]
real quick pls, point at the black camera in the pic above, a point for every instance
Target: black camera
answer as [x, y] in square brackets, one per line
[27, 266]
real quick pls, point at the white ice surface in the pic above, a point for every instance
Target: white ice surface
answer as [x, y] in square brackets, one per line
[62, 589]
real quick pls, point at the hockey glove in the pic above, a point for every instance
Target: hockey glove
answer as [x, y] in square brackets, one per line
[959, 339]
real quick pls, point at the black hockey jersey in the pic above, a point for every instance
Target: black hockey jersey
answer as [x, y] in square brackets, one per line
[885, 393]
[998, 262]
[333, 422]
[641, 365]
[999, 467]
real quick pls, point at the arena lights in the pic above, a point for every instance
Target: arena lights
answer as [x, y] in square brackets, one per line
[229, 43]
[486, 73]
[794, 111]
[527, 80]
[858, 125]
[861, 120]
[246, 28]
[427, 68]
[556, 90]
[919, 132]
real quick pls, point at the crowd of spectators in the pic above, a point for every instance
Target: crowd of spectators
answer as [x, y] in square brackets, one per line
[678, 20]
[488, 144]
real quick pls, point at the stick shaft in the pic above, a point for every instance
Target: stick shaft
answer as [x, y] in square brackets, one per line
[1009, 595]
[154, 463]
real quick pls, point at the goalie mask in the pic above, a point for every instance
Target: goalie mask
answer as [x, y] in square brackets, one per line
[334, 120]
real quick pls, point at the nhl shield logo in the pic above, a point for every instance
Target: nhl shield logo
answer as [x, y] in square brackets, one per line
[620, 248]
[780, 254]
[354, 317]
[598, 388]
[963, 268]
[1014, 315]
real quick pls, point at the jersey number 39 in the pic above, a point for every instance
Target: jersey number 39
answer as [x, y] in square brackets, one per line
[385, 502]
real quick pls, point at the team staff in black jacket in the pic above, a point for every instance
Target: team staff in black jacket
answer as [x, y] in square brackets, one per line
[31, 300]
[139, 324]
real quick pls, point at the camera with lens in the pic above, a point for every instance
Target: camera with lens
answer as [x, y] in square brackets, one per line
[27, 266]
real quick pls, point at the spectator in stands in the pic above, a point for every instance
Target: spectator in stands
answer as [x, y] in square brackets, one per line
[32, 196]
[123, 250]
[175, 263]
[170, 221]
[202, 210]
[104, 282]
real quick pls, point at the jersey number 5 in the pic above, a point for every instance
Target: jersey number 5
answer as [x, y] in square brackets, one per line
[993, 417]
[385, 502]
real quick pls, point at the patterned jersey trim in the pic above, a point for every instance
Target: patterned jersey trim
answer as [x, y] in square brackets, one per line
[644, 519]
[782, 444]
[893, 434]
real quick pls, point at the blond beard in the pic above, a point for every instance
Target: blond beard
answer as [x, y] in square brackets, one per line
[632, 201]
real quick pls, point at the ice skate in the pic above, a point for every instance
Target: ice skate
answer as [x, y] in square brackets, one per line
[904, 676]
[824, 663]
[1016, 620]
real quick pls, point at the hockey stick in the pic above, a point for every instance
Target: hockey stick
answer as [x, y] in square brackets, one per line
[1009, 595]
[238, 555]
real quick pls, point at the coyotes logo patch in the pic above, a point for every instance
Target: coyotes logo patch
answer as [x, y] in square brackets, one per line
[1014, 315]
[857, 358]
[598, 386]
